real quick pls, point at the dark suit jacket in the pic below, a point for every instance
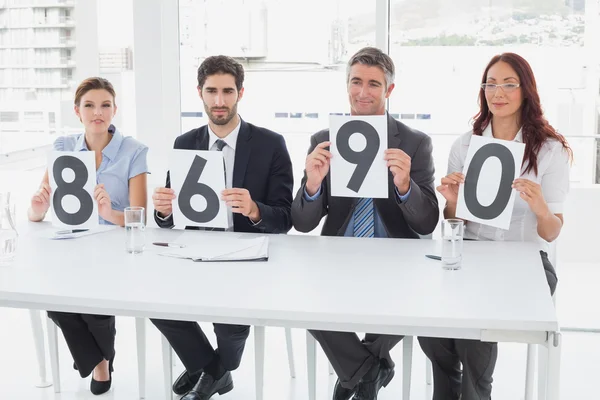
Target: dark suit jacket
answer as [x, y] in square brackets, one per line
[418, 215]
[262, 166]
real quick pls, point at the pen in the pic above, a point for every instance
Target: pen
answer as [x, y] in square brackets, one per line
[69, 231]
[438, 258]
[164, 244]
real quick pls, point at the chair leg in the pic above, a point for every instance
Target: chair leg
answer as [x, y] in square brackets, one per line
[259, 360]
[311, 364]
[40, 348]
[167, 368]
[290, 352]
[428, 371]
[407, 351]
[331, 371]
[140, 332]
[53, 349]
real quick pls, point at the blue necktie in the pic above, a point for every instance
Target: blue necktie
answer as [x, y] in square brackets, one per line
[364, 222]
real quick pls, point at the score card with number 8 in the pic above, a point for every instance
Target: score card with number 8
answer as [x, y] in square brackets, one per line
[72, 177]
[357, 146]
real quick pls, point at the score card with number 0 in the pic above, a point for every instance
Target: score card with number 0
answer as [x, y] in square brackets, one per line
[72, 176]
[358, 144]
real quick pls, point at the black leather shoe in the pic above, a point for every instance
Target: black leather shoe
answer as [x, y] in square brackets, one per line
[207, 386]
[101, 387]
[185, 382]
[341, 393]
[379, 376]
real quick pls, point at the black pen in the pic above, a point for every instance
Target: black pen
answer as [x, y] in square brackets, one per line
[165, 244]
[68, 232]
[438, 258]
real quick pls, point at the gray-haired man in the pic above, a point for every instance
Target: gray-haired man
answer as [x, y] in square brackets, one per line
[411, 208]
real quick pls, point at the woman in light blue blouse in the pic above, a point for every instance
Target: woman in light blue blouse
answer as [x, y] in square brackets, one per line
[121, 169]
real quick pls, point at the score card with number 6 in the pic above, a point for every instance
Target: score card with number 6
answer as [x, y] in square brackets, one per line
[72, 176]
[198, 178]
[357, 165]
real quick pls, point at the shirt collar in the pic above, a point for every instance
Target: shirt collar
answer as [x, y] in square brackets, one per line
[230, 139]
[487, 132]
[111, 149]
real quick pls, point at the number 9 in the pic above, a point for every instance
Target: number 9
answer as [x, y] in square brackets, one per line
[363, 159]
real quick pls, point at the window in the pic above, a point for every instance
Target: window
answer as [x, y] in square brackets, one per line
[292, 82]
[441, 49]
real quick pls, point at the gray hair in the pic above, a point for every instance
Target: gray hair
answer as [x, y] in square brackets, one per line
[374, 57]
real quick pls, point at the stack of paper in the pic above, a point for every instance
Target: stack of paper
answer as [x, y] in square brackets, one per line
[256, 249]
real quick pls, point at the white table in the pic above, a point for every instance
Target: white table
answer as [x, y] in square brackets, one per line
[329, 283]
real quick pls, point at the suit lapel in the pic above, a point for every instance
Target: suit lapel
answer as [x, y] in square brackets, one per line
[394, 137]
[202, 138]
[242, 155]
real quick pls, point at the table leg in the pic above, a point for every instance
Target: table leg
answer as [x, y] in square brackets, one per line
[553, 367]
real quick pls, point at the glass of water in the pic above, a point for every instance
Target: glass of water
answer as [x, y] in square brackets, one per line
[452, 243]
[135, 226]
[8, 229]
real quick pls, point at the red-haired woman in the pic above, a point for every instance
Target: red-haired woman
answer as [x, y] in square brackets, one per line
[510, 110]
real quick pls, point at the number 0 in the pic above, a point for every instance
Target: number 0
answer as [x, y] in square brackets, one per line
[504, 190]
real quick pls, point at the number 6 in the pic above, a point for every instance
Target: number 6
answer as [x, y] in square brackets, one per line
[191, 187]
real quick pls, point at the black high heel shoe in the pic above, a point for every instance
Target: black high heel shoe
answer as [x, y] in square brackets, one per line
[101, 387]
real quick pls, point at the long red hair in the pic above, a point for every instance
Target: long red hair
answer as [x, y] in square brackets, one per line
[535, 127]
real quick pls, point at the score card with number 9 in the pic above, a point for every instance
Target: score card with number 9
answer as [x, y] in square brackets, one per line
[357, 146]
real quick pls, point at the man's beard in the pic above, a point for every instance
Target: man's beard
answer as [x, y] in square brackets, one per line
[223, 120]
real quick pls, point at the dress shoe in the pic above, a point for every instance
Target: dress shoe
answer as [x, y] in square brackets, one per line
[101, 387]
[379, 376]
[207, 386]
[341, 393]
[185, 382]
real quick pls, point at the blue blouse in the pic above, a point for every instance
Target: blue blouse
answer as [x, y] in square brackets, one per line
[122, 159]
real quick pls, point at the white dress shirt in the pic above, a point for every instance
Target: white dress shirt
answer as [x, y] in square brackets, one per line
[553, 175]
[229, 156]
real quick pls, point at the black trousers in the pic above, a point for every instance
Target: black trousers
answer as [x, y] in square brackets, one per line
[195, 351]
[91, 338]
[351, 357]
[478, 359]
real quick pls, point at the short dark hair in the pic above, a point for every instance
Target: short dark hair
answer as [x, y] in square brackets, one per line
[221, 65]
[374, 57]
[93, 83]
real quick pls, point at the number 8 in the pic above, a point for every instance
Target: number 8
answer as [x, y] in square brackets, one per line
[74, 188]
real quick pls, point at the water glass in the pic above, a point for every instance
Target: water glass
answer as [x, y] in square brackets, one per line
[452, 243]
[8, 229]
[135, 227]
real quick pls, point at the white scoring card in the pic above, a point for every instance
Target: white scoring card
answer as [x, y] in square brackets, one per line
[357, 166]
[198, 178]
[72, 176]
[487, 196]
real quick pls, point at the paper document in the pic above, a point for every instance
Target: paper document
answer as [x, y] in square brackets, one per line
[256, 249]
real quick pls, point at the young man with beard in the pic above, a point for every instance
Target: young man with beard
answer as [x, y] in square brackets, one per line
[258, 194]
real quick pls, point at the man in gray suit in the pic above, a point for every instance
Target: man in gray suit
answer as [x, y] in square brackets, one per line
[410, 210]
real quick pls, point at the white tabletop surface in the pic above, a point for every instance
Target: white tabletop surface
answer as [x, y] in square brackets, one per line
[375, 285]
